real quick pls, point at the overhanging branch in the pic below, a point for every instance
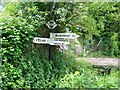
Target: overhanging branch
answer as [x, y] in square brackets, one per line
[67, 21]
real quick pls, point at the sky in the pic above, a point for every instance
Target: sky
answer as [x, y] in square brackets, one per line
[1, 6]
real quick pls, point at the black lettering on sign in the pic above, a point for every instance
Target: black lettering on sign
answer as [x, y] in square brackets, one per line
[62, 35]
[73, 35]
[57, 35]
[39, 40]
[43, 40]
[56, 43]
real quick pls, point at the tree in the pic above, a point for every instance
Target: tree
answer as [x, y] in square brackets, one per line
[107, 18]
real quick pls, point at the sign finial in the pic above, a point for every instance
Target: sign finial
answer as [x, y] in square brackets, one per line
[51, 24]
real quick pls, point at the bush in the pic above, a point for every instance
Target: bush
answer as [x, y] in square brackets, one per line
[34, 70]
[11, 76]
[83, 77]
[108, 81]
[16, 36]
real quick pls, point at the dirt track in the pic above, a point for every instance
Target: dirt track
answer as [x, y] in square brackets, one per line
[102, 61]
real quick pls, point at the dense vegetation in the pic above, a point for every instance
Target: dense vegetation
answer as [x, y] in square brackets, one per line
[26, 65]
[35, 71]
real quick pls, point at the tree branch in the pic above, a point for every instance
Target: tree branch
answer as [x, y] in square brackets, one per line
[67, 21]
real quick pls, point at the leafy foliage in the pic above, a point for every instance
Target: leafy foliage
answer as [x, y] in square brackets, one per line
[24, 68]
[35, 71]
[107, 18]
[108, 81]
[81, 78]
[16, 34]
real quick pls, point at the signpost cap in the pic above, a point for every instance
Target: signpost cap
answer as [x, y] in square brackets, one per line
[51, 24]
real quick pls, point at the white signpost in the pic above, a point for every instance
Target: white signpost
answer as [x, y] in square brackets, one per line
[60, 39]
[50, 41]
[56, 39]
[64, 35]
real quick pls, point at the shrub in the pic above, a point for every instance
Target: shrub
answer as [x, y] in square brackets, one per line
[11, 76]
[84, 77]
[35, 70]
[108, 81]
[16, 36]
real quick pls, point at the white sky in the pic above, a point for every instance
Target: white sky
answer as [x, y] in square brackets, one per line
[1, 8]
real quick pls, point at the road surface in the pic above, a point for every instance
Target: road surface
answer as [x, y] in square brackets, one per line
[102, 61]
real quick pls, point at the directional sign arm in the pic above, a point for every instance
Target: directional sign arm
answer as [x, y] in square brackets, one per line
[64, 35]
[41, 40]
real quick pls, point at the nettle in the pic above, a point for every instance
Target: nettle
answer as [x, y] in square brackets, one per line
[16, 36]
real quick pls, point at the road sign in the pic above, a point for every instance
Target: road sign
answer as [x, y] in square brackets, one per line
[56, 39]
[49, 41]
[64, 35]
[41, 40]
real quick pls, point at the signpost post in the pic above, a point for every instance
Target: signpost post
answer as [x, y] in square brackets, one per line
[51, 25]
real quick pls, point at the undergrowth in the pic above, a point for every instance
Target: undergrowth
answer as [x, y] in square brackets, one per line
[34, 70]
